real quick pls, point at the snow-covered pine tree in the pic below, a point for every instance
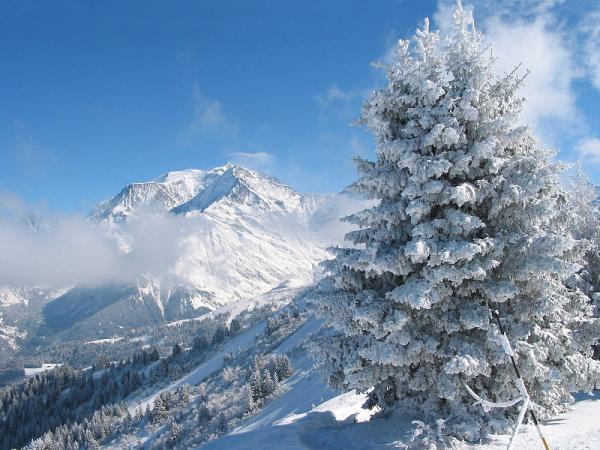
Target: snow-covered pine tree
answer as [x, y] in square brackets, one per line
[159, 410]
[463, 222]
[582, 213]
[175, 434]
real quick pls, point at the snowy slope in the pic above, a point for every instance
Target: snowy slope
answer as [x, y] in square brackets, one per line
[9, 336]
[277, 297]
[218, 236]
[237, 234]
[310, 416]
[17, 304]
[341, 423]
[306, 414]
[23, 296]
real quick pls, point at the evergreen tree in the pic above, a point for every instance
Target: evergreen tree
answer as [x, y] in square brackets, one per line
[582, 215]
[234, 327]
[159, 409]
[176, 349]
[463, 222]
[154, 355]
[248, 398]
[183, 394]
[283, 367]
[200, 343]
[222, 423]
[268, 385]
[219, 335]
[90, 442]
[175, 434]
[256, 384]
[204, 414]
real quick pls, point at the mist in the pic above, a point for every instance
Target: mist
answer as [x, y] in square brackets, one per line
[38, 248]
[41, 248]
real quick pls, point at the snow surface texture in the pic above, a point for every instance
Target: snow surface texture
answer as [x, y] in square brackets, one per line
[341, 423]
[311, 416]
[31, 371]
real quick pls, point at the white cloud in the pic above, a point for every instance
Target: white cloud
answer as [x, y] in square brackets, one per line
[542, 48]
[533, 34]
[253, 160]
[507, 8]
[67, 250]
[589, 150]
[335, 94]
[528, 34]
[337, 103]
[327, 220]
[443, 15]
[209, 118]
[591, 30]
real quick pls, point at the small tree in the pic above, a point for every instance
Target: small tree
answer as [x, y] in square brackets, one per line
[176, 349]
[283, 367]
[464, 222]
[175, 434]
[204, 414]
[159, 410]
[234, 327]
[200, 343]
[183, 394]
[248, 398]
[267, 385]
[582, 215]
[222, 423]
[90, 442]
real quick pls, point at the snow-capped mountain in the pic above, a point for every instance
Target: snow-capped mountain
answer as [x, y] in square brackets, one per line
[231, 233]
[193, 190]
[244, 189]
[19, 305]
[163, 193]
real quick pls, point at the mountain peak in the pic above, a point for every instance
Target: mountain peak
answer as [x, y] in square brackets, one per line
[178, 175]
[240, 187]
[194, 191]
[164, 192]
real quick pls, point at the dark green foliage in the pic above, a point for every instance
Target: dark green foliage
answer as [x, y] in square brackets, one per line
[234, 327]
[266, 373]
[59, 396]
[176, 349]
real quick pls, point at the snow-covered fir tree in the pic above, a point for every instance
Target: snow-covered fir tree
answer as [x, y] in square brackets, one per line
[464, 221]
[582, 213]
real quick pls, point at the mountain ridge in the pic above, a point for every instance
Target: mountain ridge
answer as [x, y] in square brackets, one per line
[191, 190]
[238, 234]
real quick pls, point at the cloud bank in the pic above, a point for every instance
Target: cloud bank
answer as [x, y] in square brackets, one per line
[68, 250]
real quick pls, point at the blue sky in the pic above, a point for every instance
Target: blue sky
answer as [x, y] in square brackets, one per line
[96, 95]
